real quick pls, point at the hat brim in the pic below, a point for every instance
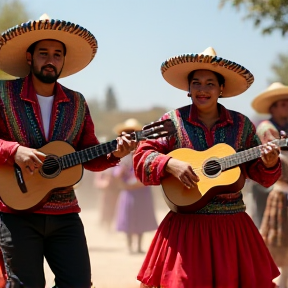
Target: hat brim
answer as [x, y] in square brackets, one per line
[121, 127]
[237, 78]
[81, 45]
[5, 76]
[263, 101]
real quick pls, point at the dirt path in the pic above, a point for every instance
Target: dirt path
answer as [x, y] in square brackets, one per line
[112, 266]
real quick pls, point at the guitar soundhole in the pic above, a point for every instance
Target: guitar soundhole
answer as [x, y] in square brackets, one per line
[212, 168]
[51, 167]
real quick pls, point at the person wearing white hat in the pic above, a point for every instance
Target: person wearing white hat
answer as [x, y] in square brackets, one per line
[210, 242]
[36, 111]
[274, 222]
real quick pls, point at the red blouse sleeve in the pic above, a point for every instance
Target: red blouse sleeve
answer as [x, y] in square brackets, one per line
[7, 148]
[150, 159]
[258, 172]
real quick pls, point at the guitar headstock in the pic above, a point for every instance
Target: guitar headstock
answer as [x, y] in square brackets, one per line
[155, 130]
[282, 142]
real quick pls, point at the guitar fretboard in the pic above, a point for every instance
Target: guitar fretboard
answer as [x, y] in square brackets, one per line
[247, 155]
[88, 154]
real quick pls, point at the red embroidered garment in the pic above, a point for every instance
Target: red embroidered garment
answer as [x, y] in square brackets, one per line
[218, 246]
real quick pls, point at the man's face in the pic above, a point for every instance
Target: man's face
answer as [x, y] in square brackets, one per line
[280, 108]
[47, 60]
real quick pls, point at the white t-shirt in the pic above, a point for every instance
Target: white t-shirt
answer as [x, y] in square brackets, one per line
[46, 109]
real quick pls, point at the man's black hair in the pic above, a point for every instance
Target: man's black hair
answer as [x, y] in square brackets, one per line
[31, 48]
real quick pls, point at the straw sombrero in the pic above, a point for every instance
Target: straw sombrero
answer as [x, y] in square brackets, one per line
[128, 125]
[5, 76]
[81, 45]
[275, 92]
[175, 71]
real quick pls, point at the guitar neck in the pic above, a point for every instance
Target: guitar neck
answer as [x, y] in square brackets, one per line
[79, 157]
[87, 154]
[152, 131]
[246, 155]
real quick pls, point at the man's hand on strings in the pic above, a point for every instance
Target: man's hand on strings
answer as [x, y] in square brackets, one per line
[29, 159]
[125, 145]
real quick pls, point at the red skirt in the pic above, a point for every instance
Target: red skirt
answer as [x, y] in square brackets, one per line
[205, 251]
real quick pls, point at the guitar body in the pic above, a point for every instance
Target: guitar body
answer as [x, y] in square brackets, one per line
[183, 200]
[62, 168]
[38, 187]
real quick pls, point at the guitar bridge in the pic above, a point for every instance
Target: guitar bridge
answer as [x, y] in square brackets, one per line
[20, 179]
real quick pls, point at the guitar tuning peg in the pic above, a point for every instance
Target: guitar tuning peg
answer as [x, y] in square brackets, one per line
[283, 134]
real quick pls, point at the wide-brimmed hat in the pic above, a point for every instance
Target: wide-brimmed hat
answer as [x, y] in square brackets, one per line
[128, 125]
[81, 45]
[275, 92]
[175, 71]
[5, 76]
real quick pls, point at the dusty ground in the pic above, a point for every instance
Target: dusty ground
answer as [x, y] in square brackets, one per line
[112, 265]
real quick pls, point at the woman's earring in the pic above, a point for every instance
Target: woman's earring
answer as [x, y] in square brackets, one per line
[220, 94]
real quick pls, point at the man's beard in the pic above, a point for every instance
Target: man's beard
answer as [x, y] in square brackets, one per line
[48, 78]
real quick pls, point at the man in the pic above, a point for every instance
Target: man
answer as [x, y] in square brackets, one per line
[271, 205]
[36, 110]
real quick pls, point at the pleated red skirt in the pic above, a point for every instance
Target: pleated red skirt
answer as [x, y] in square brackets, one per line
[208, 251]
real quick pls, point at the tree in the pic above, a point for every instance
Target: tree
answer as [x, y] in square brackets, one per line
[273, 14]
[280, 69]
[110, 100]
[12, 12]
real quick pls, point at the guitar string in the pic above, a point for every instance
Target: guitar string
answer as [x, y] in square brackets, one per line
[49, 163]
[232, 158]
[104, 147]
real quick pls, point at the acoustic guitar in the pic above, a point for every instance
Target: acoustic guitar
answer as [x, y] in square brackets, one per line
[62, 167]
[218, 170]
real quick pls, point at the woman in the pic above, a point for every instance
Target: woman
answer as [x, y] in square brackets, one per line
[135, 210]
[274, 225]
[216, 245]
[104, 181]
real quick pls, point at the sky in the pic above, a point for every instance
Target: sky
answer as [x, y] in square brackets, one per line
[136, 36]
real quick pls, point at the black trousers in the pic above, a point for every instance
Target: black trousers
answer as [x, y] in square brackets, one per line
[25, 239]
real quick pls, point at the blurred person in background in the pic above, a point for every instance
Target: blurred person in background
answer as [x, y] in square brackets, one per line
[215, 245]
[135, 208]
[107, 185]
[271, 204]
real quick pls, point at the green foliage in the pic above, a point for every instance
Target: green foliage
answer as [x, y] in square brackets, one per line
[273, 14]
[280, 69]
[12, 12]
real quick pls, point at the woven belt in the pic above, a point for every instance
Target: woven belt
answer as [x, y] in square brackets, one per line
[224, 204]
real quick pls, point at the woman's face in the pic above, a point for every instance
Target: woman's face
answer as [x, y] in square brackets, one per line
[205, 89]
